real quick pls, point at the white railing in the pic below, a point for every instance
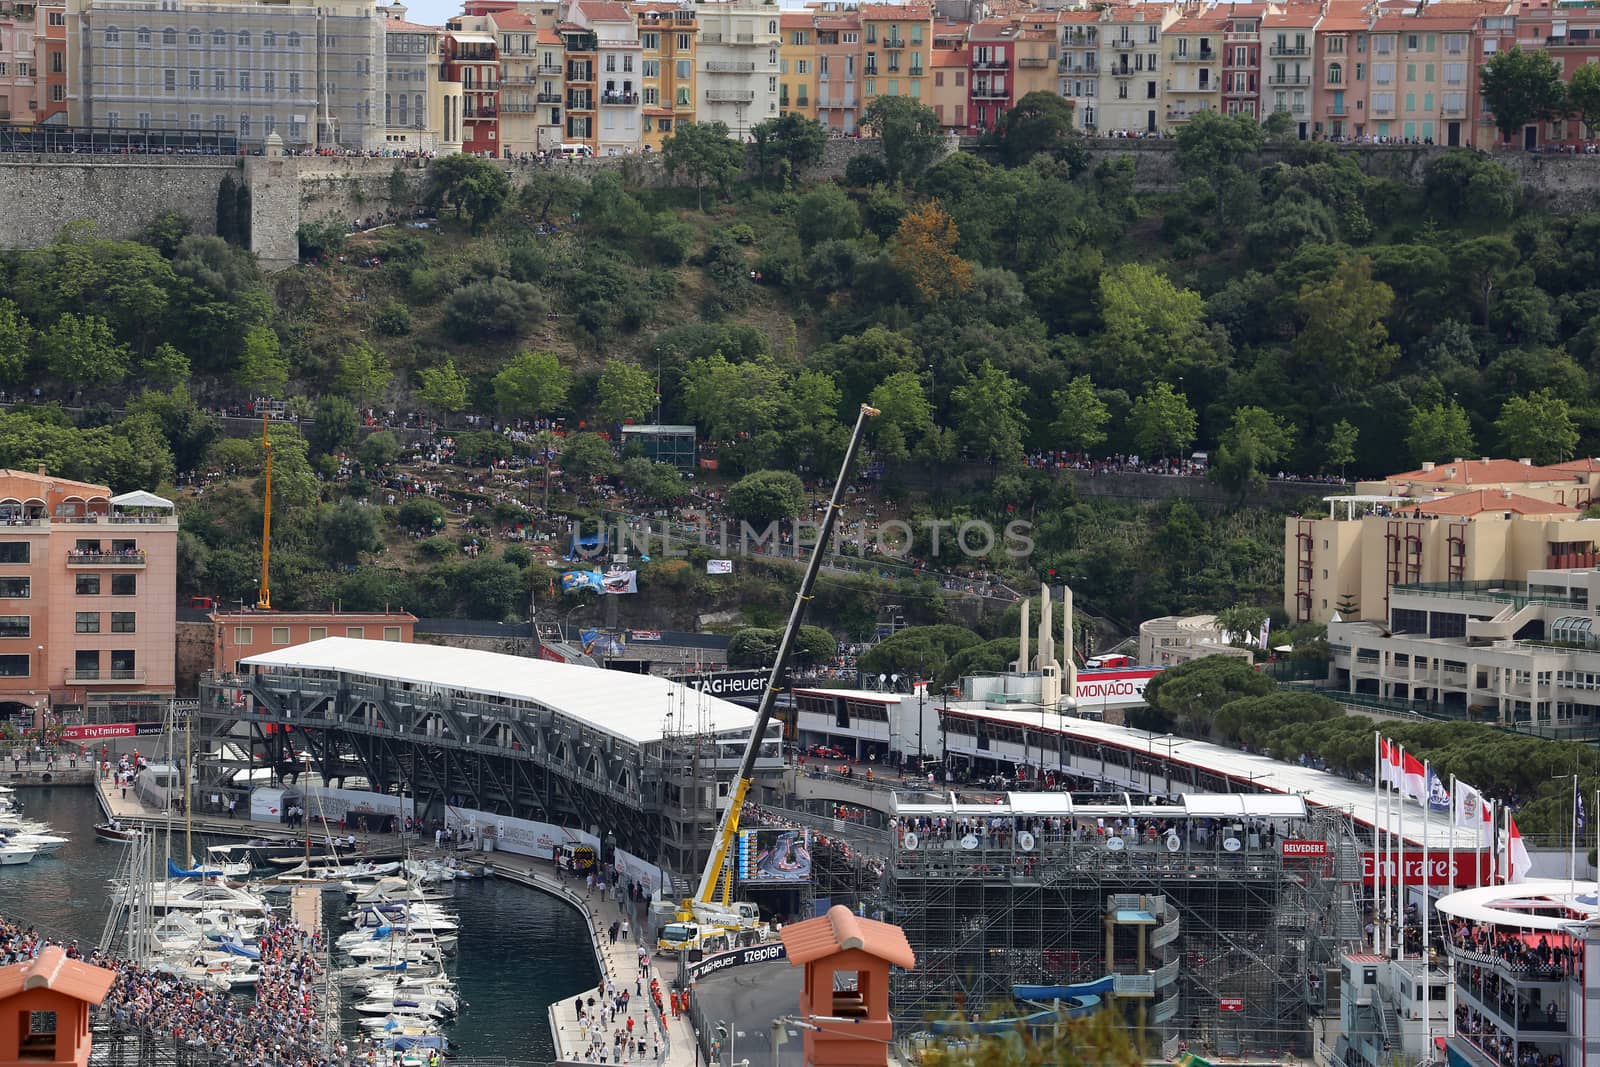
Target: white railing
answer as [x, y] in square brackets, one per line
[1165, 934]
[1133, 985]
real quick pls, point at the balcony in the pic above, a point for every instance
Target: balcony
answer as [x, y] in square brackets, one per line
[1289, 50]
[871, 70]
[619, 99]
[989, 63]
[1242, 36]
[1204, 87]
[1033, 62]
[71, 676]
[729, 67]
[989, 92]
[894, 42]
[518, 107]
[549, 68]
[829, 104]
[730, 96]
[1078, 66]
[915, 72]
[76, 558]
[1239, 92]
[580, 102]
[1288, 79]
[548, 98]
[711, 38]
[1205, 55]
[1079, 37]
[580, 74]
[480, 114]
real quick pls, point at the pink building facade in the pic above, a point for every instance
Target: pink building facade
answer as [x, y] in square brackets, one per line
[88, 600]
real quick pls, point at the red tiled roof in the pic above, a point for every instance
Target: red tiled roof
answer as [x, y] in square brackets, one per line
[795, 21]
[402, 26]
[1585, 465]
[948, 57]
[606, 11]
[52, 970]
[1293, 19]
[913, 12]
[1480, 501]
[549, 36]
[1073, 17]
[841, 930]
[1482, 472]
[513, 20]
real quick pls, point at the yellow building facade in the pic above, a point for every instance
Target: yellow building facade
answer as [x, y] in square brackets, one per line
[797, 66]
[896, 42]
[667, 39]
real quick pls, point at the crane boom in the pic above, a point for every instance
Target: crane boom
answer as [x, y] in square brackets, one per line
[741, 784]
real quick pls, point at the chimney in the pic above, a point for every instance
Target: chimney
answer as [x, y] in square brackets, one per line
[1485, 461]
[1526, 461]
[1427, 468]
[42, 473]
[1506, 492]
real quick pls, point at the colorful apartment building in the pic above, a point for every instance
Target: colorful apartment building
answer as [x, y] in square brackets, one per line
[1194, 66]
[421, 111]
[1339, 69]
[50, 32]
[1290, 37]
[948, 94]
[19, 76]
[1078, 67]
[991, 52]
[88, 588]
[1131, 67]
[1241, 59]
[1569, 30]
[1496, 32]
[838, 70]
[895, 40]
[530, 99]
[797, 65]
[581, 49]
[472, 60]
[667, 42]
[738, 64]
[618, 79]
[1035, 68]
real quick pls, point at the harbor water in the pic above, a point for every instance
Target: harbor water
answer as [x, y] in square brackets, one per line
[520, 950]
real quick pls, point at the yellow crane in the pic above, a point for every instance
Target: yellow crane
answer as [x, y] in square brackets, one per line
[264, 598]
[702, 906]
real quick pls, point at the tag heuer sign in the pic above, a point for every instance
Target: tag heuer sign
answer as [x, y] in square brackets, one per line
[726, 683]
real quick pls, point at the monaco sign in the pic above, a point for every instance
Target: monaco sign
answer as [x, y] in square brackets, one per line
[1116, 688]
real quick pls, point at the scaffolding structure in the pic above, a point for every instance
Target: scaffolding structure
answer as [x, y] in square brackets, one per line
[1207, 928]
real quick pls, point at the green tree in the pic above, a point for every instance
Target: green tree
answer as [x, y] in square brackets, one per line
[905, 415]
[83, 351]
[766, 496]
[1149, 323]
[910, 134]
[16, 344]
[263, 370]
[1278, 127]
[921, 651]
[989, 415]
[348, 529]
[624, 393]
[727, 399]
[1521, 87]
[442, 389]
[532, 385]
[363, 375]
[1342, 332]
[1212, 147]
[493, 307]
[1040, 122]
[1340, 449]
[757, 646]
[704, 152]
[334, 425]
[378, 450]
[1081, 416]
[587, 455]
[1583, 96]
[421, 513]
[826, 213]
[162, 369]
[474, 187]
[1162, 422]
[1254, 440]
[786, 143]
[189, 430]
[1538, 426]
[1439, 432]
[1463, 184]
[654, 483]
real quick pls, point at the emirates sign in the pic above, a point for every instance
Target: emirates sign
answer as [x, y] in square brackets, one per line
[1471, 868]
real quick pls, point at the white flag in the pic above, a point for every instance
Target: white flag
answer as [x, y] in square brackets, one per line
[1472, 812]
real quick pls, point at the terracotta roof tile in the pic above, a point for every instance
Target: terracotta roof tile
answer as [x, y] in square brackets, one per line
[1480, 501]
[402, 26]
[948, 57]
[513, 20]
[842, 930]
[51, 969]
[902, 12]
[796, 21]
[1482, 472]
[606, 11]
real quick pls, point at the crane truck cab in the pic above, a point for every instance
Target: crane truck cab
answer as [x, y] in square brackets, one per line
[685, 936]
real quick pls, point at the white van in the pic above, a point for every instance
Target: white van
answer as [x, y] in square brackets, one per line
[574, 151]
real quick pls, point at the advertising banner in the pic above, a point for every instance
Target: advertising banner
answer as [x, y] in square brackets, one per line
[1294, 849]
[738, 958]
[1472, 868]
[719, 566]
[110, 729]
[523, 837]
[727, 684]
[616, 583]
[646, 874]
[1113, 688]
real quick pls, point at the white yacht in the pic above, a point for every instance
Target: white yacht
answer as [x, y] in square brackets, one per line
[206, 896]
[44, 844]
[11, 855]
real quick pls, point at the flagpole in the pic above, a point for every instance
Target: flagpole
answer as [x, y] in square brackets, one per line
[1400, 862]
[1377, 837]
[1386, 886]
[1572, 843]
[1450, 957]
[1428, 856]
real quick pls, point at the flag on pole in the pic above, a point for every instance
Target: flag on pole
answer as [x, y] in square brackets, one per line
[1473, 812]
[1518, 862]
[1579, 813]
[1438, 792]
[1413, 777]
[1391, 763]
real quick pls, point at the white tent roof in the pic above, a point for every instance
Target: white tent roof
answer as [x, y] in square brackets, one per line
[637, 708]
[140, 499]
[1063, 805]
[1537, 904]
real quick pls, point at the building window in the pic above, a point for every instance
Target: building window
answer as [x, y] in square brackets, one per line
[15, 551]
[169, 80]
[86, 664]
[58, 18]
[219, 38]
[194, 80]
[88, 585]
[317, 633]
[244, 635]
[122, 622]
[269, 40]
[15, 626]
[16, 588]
[354, 631]
[113, 35]
[194, 37]
[88, 622]
[14, 667]
[390, 633]
[244, 38]
[124, 584]
[269, 81]
[294, 39]
[280, 635]
[123, 664]
[169, 36]
[142, 35]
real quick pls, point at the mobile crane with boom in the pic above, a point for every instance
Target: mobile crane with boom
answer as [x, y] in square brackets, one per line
[703, 908]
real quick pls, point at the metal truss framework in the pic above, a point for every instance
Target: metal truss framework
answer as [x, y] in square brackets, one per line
[1230, 958]
[525, 763]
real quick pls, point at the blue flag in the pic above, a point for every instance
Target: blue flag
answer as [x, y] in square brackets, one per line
[1580, 811]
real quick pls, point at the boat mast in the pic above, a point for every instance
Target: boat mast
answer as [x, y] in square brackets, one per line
[188, 787]
[264, 597]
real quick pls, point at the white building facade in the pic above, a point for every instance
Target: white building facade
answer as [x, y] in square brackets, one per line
[737, 65]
